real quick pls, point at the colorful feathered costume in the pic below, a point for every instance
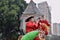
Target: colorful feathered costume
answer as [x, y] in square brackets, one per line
[44, 26]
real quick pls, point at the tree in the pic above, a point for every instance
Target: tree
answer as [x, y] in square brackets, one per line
[10, 12]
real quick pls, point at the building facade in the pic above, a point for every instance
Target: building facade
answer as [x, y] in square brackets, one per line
[59, 29]
[56, 29]
[45, 10]
[33, 10]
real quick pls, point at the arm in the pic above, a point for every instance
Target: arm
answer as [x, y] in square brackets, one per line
[29, 27]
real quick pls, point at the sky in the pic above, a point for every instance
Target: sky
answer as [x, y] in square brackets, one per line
[55, 9]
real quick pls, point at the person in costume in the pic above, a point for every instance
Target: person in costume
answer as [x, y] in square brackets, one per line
[30, 24]
[44, 25]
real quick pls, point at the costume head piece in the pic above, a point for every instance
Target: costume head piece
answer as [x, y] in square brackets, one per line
[29, 18]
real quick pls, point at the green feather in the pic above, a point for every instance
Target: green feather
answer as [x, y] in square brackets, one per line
[30, 36]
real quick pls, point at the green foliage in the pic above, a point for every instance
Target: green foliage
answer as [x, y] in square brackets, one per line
[10, 11]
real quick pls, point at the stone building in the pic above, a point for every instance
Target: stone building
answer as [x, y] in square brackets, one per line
[45, 10]
[33, 10]
[56, 29]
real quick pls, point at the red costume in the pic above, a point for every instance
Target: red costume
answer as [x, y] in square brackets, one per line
[37, 38]
[42, 27]
[30, 26]
[45, 21]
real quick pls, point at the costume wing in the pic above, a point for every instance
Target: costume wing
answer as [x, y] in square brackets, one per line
[30, 36]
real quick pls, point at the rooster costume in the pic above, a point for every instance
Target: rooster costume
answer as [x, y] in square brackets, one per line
[43, 28]
[31, 26]
[46, 24]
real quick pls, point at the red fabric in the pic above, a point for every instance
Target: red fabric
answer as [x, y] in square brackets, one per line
[45, 21]
[37, 38]
[42, 27]
[35, 25]
[30, 26]
[46, 33]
